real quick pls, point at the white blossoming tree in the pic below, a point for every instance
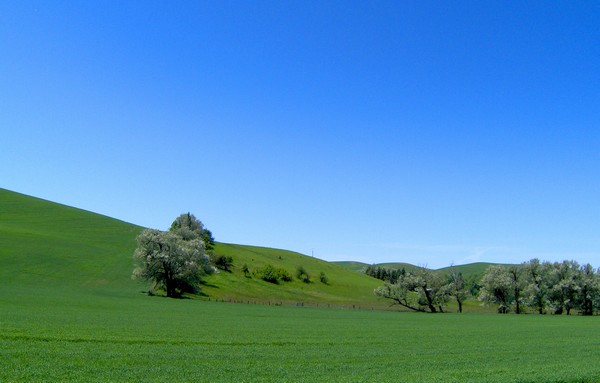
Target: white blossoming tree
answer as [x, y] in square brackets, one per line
[174, 262]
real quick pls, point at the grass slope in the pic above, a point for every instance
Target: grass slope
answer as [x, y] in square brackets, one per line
[344, 287]
[46, 246]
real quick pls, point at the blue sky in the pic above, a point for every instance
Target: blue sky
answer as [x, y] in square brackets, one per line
[424, 132]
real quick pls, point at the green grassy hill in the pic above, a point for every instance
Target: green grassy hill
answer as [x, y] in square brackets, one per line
[477, 268]
[467, 270]
[353, 265]
[344, 287]
[48, 248]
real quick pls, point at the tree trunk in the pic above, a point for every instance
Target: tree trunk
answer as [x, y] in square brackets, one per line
[429, 300]
[459, 305]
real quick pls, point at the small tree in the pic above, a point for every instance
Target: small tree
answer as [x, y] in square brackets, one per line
[456, 287]
[246, 270]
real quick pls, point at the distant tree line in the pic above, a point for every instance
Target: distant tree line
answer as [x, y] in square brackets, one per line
[385, 274]
[544, 287]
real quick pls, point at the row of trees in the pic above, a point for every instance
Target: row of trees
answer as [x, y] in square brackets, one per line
[557, 287]
[424, 290]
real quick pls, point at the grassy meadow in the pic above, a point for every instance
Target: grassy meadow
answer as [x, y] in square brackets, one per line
[140, 338]
[70, 312]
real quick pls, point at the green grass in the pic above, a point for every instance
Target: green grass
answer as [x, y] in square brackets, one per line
[139, 338]
[47, 245]
[345, 288]
[70, 312]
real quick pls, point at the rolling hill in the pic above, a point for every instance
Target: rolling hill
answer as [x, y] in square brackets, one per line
[48, 248]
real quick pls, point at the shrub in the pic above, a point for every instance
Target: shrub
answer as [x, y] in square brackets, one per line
[284, 275]
[272, 274]
[223, 262]
[323, 278]
[302, 274]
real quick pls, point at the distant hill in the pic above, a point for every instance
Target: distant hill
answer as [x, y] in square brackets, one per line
[352, 265]
[470, 268]
[49, 248]
[467, 270]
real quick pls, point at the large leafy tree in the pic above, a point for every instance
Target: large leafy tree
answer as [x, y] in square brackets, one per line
[563, 281]
[537, 276]
[589, 289]
[419, 290]
[174, 260]
[497, 287]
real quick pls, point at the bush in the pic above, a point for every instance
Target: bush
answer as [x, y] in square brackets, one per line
[272, 274]
[302, 274]
[246, 270]
[284, 275]
[323, 278]
[223, 262]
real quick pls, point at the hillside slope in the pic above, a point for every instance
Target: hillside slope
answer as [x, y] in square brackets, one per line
[48, 248]
[45, 245]
[344, 287]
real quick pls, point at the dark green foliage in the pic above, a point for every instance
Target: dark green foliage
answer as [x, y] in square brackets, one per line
[272, 274]
[284, 275]
[246, 270]
[302, 274]
[385, 274]
[188, 226]
[223, 262]
[323, 278]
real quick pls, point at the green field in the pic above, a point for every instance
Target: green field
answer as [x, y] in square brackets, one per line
[86, 338]
[69, 311]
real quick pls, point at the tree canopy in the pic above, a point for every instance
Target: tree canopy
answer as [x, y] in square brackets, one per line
[559, 286]
[174, 260]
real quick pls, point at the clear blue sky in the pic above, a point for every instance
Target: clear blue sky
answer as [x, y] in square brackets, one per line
[425, 132]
